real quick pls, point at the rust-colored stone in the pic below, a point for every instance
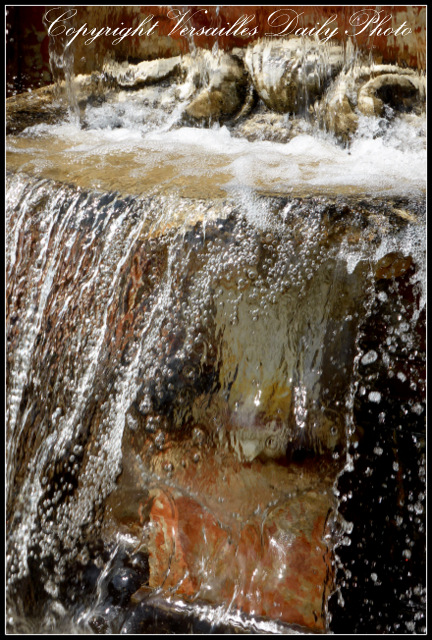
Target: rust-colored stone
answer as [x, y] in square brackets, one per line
[247, 536]
[392, 265]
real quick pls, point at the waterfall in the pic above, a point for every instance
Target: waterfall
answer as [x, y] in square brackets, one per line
[216, 351]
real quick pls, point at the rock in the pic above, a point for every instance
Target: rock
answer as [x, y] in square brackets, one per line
[267, 125]
[392, 265]
[143, 73]
[288, 75]
[399, 91]
[36, 107]
[365, 90]
[225, 92]
[249, 104]
[336, 111]
[32, 63]
[212, 536]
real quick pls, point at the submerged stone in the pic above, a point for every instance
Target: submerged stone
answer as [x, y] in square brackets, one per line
[208, 540]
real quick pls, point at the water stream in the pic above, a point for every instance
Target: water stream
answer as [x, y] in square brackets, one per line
[215, 372]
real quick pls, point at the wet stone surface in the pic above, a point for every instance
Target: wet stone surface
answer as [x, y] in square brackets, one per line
[383, 568]
[216, 378]
[185, 391]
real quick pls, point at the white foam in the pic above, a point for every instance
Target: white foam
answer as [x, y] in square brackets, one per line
[383, 158]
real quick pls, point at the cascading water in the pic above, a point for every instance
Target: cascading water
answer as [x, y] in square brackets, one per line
[215, 372]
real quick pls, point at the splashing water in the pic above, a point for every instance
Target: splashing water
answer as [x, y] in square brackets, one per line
[125, 143]
[207, 349]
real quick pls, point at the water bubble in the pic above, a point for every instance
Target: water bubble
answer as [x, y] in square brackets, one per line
[198, 436]
[151, 425]
[418, 508]
[410, 626]
[369, 357]
[348, 526]
[378, 451]
[346, 541]
[375, 396]
[417, 408]
[160, 441]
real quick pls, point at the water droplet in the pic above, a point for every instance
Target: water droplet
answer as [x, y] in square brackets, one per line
[160, 440]
[198, 436]
[375, 396]
[417, 408]
[378, 451]
[369, 357]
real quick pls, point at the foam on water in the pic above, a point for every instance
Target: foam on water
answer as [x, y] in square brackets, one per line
[386, 157]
